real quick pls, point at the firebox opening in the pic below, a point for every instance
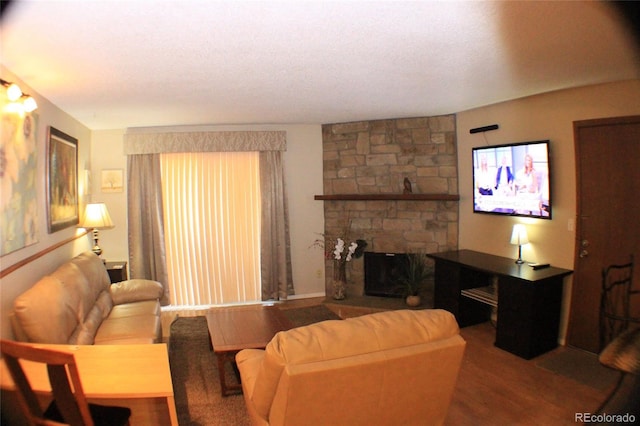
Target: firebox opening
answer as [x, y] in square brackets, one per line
[381, 271]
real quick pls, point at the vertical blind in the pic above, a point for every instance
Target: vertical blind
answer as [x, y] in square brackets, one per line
[212, 225]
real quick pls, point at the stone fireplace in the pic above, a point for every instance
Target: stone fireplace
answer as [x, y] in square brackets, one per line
[365, 165]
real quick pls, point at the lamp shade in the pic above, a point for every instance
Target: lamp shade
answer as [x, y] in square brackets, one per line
[30, 104]
[13, 92]
[96, 216]
[519, 235]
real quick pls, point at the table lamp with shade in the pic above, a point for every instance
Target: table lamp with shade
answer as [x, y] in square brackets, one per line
[96, 217]
[519, 238]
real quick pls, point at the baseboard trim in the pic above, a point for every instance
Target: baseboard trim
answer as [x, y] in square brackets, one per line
[306, 296]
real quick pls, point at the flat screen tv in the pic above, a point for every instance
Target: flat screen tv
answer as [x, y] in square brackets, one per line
[513, 179]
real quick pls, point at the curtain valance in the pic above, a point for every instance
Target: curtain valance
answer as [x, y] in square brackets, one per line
[236, 141]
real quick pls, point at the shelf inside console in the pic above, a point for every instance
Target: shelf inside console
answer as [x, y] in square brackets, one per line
[485, 295]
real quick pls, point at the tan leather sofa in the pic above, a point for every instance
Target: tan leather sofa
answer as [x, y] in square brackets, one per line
[389, 368]
[77, 304]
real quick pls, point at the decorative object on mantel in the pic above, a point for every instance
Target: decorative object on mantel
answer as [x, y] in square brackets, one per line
[407, 186]
[96, 217]
[340, 258]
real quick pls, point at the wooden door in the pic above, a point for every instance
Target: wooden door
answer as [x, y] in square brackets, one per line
[608, 228]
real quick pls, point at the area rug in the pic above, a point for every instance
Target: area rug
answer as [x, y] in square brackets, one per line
[196, 385]
[194, 371]
[580, 366]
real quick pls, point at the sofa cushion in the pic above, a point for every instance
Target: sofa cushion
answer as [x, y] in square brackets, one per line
[146, 307]
[104, 303]
[146, 328]
[133, 340]
[86, 332]
[135, 290]
[97, 278]
[50, 311]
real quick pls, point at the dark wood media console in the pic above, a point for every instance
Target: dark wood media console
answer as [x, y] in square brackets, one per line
[469, 283]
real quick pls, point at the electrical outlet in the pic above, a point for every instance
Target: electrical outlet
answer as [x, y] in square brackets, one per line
[319, 273]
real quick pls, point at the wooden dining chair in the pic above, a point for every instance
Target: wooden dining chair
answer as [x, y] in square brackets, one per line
[69, 404]
[623, 355]
[615, 302]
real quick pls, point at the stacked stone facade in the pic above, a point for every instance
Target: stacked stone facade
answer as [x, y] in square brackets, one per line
[374, 157]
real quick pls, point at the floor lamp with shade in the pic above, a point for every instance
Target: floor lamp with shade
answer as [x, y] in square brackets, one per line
[96, 217]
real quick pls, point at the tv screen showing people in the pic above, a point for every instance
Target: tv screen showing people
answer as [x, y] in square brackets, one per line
[512, 179]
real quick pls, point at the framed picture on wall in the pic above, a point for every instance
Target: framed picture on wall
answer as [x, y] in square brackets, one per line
[18, 185]
[62, 180]
[111, 180]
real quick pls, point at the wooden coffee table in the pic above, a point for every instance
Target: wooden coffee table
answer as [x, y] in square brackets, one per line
[241, 327]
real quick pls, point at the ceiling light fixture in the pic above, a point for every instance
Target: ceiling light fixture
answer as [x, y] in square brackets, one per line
[14, 94]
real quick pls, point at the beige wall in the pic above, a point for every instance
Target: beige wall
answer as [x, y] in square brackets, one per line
[106, 153]
[17, 282]
[548, 116]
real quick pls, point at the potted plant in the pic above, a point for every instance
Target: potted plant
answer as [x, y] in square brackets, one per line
[414, 272]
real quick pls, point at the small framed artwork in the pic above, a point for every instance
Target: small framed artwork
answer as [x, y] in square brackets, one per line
[111, 180]
[62, 180]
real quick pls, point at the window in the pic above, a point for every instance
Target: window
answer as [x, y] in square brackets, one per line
[212, 226]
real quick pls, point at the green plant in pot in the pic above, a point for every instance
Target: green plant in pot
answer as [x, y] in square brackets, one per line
[414, 273]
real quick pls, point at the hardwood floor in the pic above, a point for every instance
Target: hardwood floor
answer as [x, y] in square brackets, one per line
[495, 387]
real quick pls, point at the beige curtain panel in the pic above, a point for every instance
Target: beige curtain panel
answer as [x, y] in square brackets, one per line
[147, 256]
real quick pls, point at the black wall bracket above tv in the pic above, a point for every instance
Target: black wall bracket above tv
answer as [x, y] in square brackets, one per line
[484, 129]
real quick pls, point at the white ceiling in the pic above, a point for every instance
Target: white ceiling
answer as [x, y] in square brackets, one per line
[116, 64]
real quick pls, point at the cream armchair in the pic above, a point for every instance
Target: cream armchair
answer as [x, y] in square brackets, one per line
[388, 368]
